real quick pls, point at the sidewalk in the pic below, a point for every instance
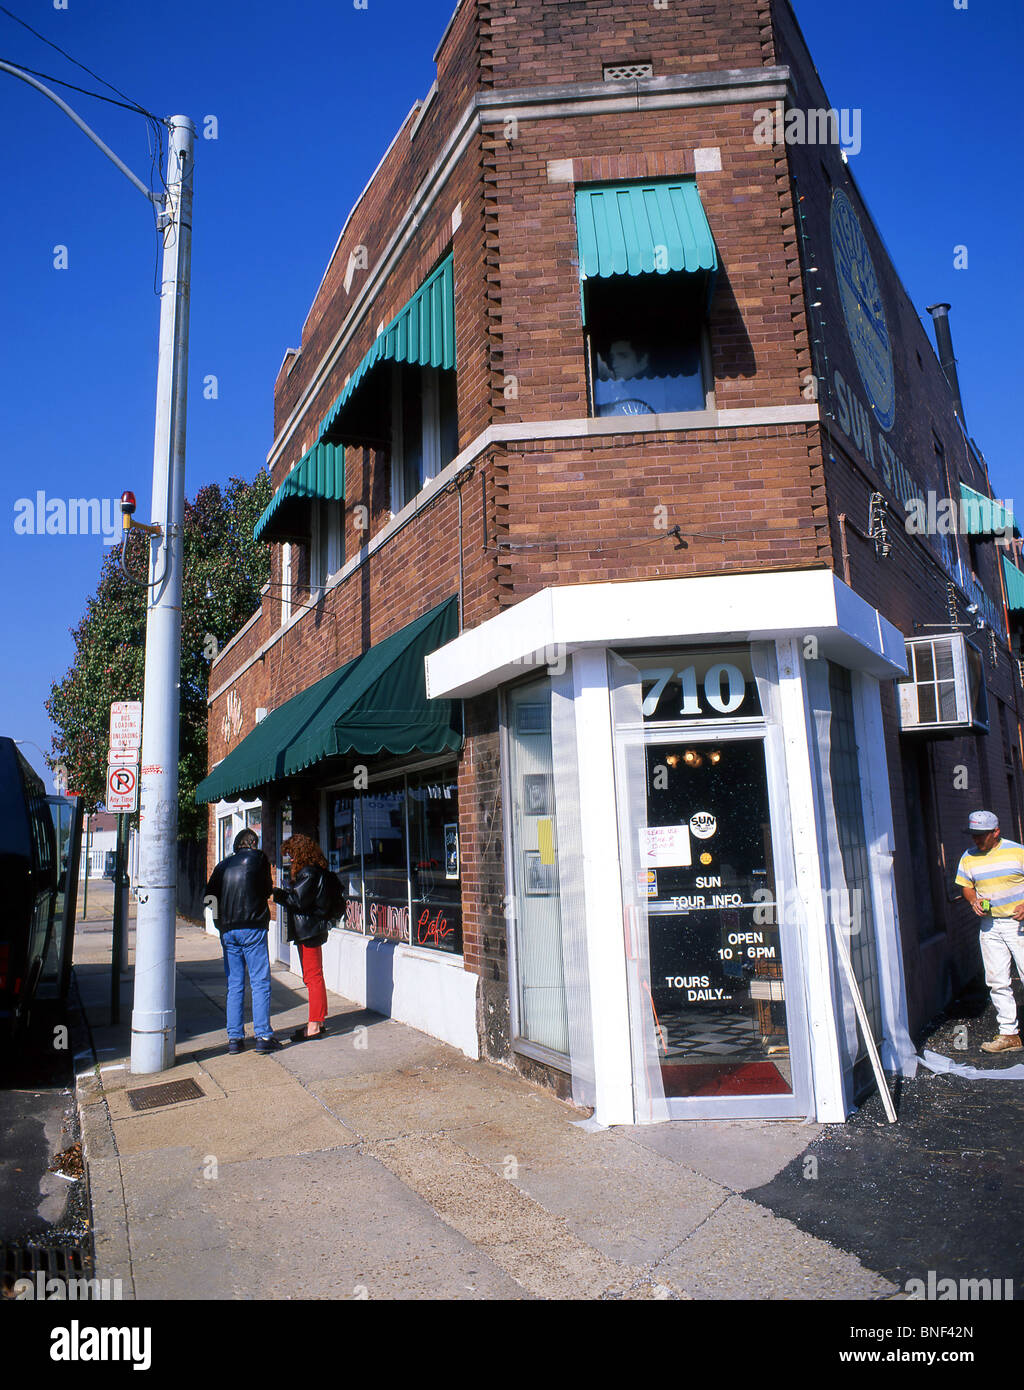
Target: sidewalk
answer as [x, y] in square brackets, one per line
[381, 1163]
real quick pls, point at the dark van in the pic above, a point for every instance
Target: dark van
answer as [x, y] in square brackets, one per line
[28, 880]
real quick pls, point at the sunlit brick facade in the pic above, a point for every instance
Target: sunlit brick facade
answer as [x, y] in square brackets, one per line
[670, 501]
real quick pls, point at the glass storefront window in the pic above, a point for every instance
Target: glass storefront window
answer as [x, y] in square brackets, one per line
[434, 863]
[540, 972]
[396, 850]
[225, 836]
[344, 858]
[385, 862]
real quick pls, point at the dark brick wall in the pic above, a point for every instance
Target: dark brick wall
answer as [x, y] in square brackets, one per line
[910, 586]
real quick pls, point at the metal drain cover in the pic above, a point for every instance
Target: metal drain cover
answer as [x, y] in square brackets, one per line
[168, 1093]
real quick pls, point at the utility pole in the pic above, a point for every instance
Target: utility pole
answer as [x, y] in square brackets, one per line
[153, 1015]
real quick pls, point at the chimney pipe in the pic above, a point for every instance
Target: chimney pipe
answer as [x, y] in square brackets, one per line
[944, 341]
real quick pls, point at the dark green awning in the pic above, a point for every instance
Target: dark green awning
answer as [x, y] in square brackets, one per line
[1014, 587]
[984, 516]
[375, 703]
[643, 228]
[422, 334]
[319, 475]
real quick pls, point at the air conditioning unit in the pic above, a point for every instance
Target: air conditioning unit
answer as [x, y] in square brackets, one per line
[943, 691]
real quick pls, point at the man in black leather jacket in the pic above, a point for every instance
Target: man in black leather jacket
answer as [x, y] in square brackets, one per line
[237, 895]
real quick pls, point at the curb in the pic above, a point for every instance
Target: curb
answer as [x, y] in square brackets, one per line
[105, 1188]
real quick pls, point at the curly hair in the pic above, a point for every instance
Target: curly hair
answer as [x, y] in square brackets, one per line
[303, 850]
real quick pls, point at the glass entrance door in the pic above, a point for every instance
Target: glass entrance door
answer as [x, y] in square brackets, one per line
[717, 966]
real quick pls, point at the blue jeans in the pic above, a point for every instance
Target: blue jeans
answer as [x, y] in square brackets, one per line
[246, 949]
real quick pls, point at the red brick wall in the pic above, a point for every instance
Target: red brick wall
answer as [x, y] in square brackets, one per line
[589, 508]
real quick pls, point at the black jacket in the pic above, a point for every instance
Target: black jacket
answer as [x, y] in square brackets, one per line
[306, 902]
[241, 885]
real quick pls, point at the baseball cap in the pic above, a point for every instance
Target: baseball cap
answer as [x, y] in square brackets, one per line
[980, 821]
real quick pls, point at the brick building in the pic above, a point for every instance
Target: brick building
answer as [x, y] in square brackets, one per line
[594, 582]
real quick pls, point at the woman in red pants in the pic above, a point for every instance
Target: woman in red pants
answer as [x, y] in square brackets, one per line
[306, 901]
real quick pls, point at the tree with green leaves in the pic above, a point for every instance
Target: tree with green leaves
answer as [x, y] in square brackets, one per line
[224, 571]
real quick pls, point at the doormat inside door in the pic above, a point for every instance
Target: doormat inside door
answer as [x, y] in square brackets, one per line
[724, 1079]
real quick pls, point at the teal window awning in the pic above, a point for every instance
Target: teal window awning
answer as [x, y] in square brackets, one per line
[375, 703]
[1014, 587]
[318, 476]
[422, 334]
[642, 229]
[984, 516]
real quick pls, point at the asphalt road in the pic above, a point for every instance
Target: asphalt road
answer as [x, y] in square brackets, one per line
[38, 1207]
[943, 1189]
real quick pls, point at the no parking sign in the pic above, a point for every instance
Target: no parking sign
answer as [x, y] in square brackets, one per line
[122, 788]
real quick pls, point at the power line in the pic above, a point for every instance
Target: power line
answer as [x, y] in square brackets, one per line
[126, 106]
[134, 105]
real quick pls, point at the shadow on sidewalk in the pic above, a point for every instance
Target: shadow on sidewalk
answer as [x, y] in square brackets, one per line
[943, 1189]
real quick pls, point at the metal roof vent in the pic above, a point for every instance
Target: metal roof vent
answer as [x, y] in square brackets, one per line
[621, 72]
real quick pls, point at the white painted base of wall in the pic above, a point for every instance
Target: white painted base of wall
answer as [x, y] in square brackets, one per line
[428, 991]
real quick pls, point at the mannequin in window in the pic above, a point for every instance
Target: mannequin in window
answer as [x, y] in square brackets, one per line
[627, 383]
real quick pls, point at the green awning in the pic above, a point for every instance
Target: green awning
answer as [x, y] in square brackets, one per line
[643, 228]
[375, 703]
[1014, 586]
[984, 516]
[421, 335]
[319, 475]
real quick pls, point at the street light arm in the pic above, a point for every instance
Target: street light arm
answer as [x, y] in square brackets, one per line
[17, 72]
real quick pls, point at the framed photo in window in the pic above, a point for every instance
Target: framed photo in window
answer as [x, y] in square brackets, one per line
[537, 793]
[540, 877]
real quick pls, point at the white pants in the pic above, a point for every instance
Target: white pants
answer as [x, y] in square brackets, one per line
[1001, 940]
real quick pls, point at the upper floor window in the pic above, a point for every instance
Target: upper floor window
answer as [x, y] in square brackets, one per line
[327, 546]
[647, 344]
[647, 266]
[424, 429]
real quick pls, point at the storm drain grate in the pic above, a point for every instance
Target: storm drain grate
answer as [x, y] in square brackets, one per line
[62, 1262]
[168, 1093]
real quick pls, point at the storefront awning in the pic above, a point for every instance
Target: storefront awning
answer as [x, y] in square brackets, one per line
[984, 516]
[421, 335]
[319, 475]
[376, 703]
[642, 229]
[1014, 586]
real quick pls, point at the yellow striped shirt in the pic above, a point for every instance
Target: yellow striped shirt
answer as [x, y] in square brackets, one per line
[997, 876]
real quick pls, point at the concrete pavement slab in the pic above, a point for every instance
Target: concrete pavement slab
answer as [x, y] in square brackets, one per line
[535, 1248]
[738, 1154]
[339, 1225]
[266, 1122]
[629, 1203]
[410, 1100]
[743, 1251]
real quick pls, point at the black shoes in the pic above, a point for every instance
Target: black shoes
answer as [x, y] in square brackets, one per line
[300, 1035]
[267, 1045]
[236, 1045]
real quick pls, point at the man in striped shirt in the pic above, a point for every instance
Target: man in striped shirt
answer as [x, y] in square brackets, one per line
[992, 877]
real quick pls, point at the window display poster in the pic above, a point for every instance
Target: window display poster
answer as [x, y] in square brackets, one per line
[665, 846]
[451, 850]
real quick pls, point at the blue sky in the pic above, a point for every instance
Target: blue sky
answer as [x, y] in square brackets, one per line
[307, 97]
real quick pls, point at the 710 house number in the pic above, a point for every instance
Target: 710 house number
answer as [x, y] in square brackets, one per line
[734, 678]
